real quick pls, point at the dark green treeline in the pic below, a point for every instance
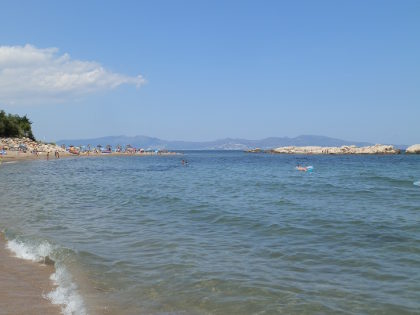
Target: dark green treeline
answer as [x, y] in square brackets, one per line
[15, 126]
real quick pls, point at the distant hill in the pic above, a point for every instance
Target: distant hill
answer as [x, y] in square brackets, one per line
[221, 144]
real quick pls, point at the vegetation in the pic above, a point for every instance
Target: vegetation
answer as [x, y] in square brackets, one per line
[15, 126]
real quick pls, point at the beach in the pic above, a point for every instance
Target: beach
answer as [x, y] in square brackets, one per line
[209, 158]
[23, 285]
[16, 156]
[24, 149]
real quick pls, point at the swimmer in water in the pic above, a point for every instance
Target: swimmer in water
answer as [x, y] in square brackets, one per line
[301, 168]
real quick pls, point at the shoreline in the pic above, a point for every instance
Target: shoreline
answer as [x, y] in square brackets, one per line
[16, 156]
[24, 149]
[24, 284]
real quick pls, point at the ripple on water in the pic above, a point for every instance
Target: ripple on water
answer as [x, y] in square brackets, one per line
[232, 233]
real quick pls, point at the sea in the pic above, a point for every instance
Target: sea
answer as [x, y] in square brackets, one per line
[227, 232]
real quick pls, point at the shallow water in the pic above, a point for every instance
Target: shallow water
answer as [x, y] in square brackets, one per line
[230, 233]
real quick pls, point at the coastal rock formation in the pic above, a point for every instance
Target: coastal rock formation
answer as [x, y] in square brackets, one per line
[26, 144]
[256, 150]
[414, 149]
[375, 149]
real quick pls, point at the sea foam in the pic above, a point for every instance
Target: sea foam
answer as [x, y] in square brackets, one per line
[66, 293]
[28, 252]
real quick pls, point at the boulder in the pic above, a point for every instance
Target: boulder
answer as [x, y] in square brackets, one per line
[414, 149]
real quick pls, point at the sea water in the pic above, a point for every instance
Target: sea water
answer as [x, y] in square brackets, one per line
[226, 233]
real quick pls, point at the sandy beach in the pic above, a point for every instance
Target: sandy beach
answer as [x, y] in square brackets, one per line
[13, 157]
[23, 284]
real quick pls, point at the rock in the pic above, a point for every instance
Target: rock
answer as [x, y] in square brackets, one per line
[256, 150]
[414, 149]
[47, 261]
[18, 144]
[375, 149]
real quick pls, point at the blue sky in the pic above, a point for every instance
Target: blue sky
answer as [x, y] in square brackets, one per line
[202, 70]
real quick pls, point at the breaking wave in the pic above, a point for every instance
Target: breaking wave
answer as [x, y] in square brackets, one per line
[66, 292]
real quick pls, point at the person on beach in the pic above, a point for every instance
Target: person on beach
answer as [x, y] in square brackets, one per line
[48, 155]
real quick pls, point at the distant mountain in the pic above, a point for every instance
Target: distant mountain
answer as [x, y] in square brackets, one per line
[221, 144]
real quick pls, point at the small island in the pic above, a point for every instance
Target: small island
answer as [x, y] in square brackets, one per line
[352, 149]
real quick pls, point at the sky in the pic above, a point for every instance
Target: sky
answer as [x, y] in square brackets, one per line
[204, 70]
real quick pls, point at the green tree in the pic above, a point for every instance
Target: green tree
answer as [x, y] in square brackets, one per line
[15, 126]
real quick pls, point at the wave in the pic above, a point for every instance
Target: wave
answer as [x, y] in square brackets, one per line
[28, 252]
[389, 180]
[66, 292]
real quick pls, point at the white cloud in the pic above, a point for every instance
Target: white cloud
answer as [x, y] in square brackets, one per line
[31, 75]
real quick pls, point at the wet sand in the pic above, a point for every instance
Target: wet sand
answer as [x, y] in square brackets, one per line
[22, 284]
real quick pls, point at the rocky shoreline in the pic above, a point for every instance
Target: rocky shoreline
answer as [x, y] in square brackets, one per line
[378, 149]
[25, 148]
[27, 145]
[20, 149]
